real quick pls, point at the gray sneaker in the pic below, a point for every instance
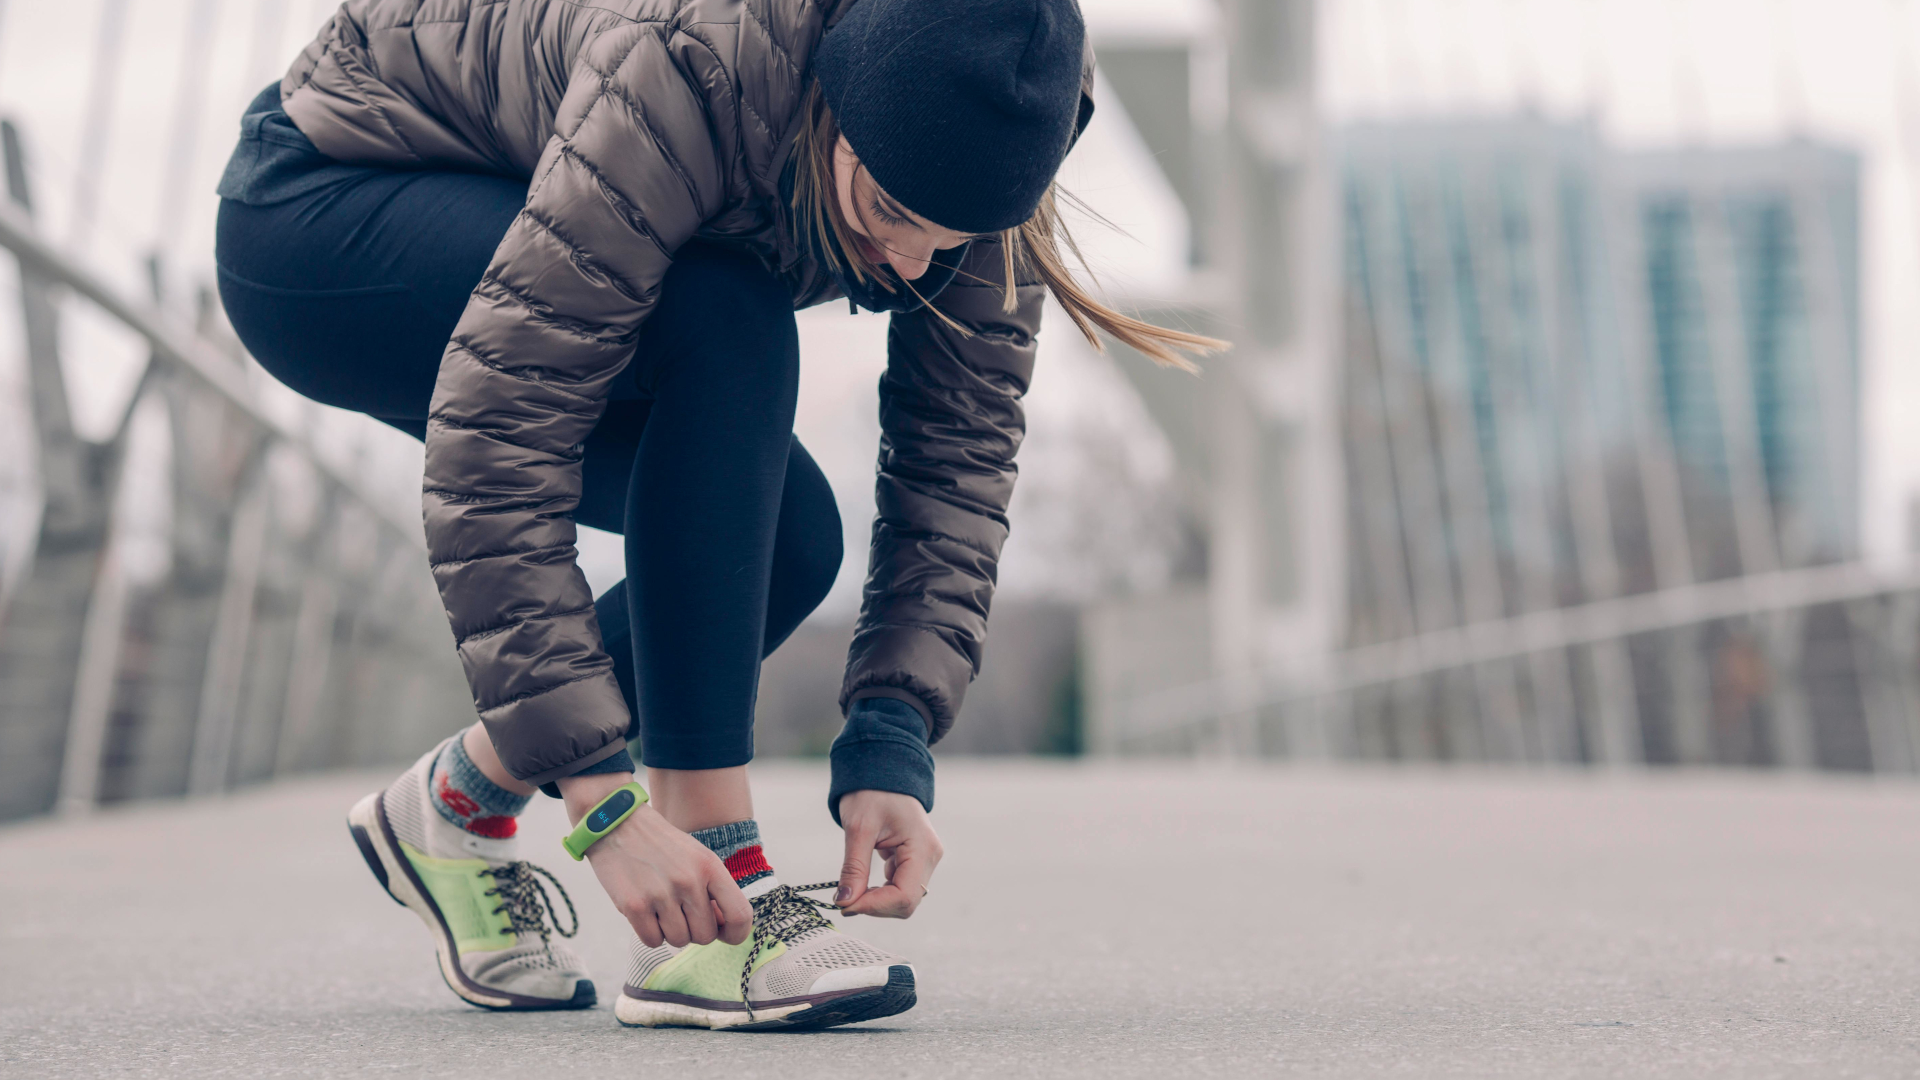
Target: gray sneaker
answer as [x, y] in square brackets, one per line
[797, 971]
[488, 911]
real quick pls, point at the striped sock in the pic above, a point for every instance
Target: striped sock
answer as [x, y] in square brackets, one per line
[464, 795]
[738, 845]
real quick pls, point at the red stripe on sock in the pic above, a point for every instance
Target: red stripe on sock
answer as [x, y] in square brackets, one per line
[747, 862]
[494, 828]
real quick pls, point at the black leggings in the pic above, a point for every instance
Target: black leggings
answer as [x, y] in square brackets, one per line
[348, 294]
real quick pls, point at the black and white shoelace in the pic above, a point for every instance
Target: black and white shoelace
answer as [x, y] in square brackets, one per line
[525, 899]
[782, 914]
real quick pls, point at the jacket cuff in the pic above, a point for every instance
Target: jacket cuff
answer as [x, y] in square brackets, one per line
[618, 762]
[882, 748]
[551, 777]
[559, 731]
[870, 692]
[913, 659]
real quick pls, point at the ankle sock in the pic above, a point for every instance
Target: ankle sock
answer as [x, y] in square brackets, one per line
[738, 845]
[464, 795]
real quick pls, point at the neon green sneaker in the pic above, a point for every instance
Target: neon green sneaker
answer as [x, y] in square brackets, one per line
[487, 910]
[797, 972]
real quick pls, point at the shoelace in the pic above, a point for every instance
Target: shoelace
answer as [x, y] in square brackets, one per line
[782, 914]
[521, 896]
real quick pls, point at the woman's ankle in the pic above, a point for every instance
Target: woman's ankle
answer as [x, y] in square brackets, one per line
[466, 797]
[695, 799]
[738, 846]
[479, 747]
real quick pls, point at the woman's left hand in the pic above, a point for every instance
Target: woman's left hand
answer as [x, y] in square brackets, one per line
[896, 826]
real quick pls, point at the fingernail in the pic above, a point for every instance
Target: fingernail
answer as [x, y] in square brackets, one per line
[843, 895]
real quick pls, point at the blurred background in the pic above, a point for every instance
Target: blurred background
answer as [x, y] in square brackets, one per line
[1571, 420]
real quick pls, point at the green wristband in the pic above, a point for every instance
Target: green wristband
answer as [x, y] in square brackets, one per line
[607, 814]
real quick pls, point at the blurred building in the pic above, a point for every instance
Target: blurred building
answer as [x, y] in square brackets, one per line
[1594, 487]
[1574, 375]
[1752, 265]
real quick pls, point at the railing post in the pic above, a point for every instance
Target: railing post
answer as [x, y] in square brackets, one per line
[1783, 634]
[227, 646]
[314, 630]
[1903, 664]
[1873, 637]
[360, 552]
[215, 455]
[41, 640]
[1617, 737]
[96, 681]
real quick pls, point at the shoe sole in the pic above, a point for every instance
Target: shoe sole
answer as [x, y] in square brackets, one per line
[895, 996]
[367, 821]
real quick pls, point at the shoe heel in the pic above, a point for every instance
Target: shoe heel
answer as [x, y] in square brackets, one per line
[363, 840]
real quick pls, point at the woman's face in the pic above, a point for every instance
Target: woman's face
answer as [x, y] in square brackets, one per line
[887, 233]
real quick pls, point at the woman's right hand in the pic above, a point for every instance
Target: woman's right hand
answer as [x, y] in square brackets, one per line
[664, 882]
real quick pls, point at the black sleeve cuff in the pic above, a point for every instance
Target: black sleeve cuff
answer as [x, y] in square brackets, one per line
[882, 748]
[898, 695]
[618, 761]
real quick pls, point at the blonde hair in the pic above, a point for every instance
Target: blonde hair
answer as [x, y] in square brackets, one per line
[1035, 246]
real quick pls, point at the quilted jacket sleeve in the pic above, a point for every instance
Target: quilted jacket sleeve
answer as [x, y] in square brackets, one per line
[626, 179]
[950, 423]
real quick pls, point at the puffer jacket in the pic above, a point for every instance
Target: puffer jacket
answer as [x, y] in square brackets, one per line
[640, 125]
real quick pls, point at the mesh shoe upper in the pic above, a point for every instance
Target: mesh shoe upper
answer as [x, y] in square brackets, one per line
[806, 961]
[812, 957]
[486, 895]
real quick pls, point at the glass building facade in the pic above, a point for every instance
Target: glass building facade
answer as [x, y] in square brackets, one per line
[1575, 375]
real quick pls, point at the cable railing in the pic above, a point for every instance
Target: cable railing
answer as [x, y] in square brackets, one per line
[290, 622]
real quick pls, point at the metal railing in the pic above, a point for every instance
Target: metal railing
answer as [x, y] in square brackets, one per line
[1829, 656]
[292, 624]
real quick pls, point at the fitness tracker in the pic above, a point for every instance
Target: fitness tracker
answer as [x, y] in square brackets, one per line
[619, 804]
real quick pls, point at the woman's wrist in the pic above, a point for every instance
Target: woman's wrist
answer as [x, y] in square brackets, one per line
[583, 793]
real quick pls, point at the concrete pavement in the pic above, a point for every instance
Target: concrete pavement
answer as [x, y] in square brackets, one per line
[1114, 921]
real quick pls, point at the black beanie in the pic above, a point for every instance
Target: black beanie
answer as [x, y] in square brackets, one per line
[961, 109]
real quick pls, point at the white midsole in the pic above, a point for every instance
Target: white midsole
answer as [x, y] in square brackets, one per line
[366, 815]
[636, 1012]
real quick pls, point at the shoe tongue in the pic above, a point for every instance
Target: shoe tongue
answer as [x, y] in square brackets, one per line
[757, 889]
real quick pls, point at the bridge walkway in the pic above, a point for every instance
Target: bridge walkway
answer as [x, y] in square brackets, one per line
[1090, 920]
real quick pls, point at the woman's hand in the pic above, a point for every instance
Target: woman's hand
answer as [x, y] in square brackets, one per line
[664, 882]
[896, 826]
